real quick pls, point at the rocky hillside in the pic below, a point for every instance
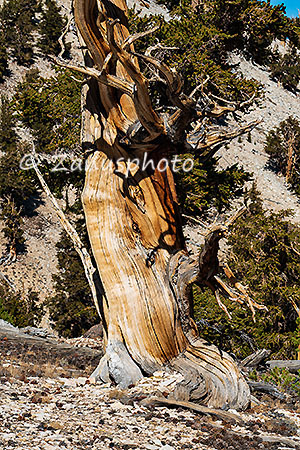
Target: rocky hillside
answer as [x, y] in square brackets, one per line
[64, 413]
[277, 105]
[34, 269]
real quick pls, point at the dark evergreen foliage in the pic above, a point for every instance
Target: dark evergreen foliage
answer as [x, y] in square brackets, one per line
[17, 24]
[264, 257]
[3, 56]
[246, 25]
[286, 69]
[51, 28]
[8, 135]
[283, 147]
[197, 49]
[206, 186]
[16, 185]
[12, 229]
[71, 308]
[51, 109]
[19, 310]
[14, 182]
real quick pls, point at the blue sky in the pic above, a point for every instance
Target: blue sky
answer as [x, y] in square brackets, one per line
[292, 6]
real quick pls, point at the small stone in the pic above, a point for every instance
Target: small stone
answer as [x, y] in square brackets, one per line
[118, 406]
[56, 425]
[81, 380]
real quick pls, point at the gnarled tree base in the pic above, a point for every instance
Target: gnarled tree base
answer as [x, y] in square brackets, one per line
[210, 377]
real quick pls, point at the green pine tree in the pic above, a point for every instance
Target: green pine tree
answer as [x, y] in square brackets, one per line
[51, 28]
[283, 148]
[8, 136]
[71, 307]
[18, 309]
[3, 56]
[286, 69]
[12, 230]
[264, 255]
[18, 23]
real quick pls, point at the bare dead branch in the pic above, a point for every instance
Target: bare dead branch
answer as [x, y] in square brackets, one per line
[10, 283]
[158, 46]
[107, 79]
[236, 216]
[200, 222]
[223, 100]
[247, 102]
[212, 139]
[221, 305]
[135, 37]
[255, 358]
[72, 233]
[172, 78]
[199, 87]
[296, 307]
[220, 414]
[61, 38]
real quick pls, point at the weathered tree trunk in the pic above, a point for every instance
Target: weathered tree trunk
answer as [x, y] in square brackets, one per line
[134, 225]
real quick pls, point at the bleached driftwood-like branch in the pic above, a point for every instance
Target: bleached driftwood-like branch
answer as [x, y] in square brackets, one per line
[83, 253]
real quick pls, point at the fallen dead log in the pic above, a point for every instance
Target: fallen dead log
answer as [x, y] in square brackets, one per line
[43, 350]
[292, 365]
[255, 358]
[218, 413]
[266, 388]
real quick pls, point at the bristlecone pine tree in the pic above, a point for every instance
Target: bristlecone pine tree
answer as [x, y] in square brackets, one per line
[133, 218]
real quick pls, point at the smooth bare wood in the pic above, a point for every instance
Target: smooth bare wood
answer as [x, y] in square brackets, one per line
[291, 365]
[266, 388]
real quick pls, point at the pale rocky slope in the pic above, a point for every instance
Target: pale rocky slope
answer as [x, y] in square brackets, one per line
[48, 403]
[277, 105]
[34, 269]
[67, 414]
